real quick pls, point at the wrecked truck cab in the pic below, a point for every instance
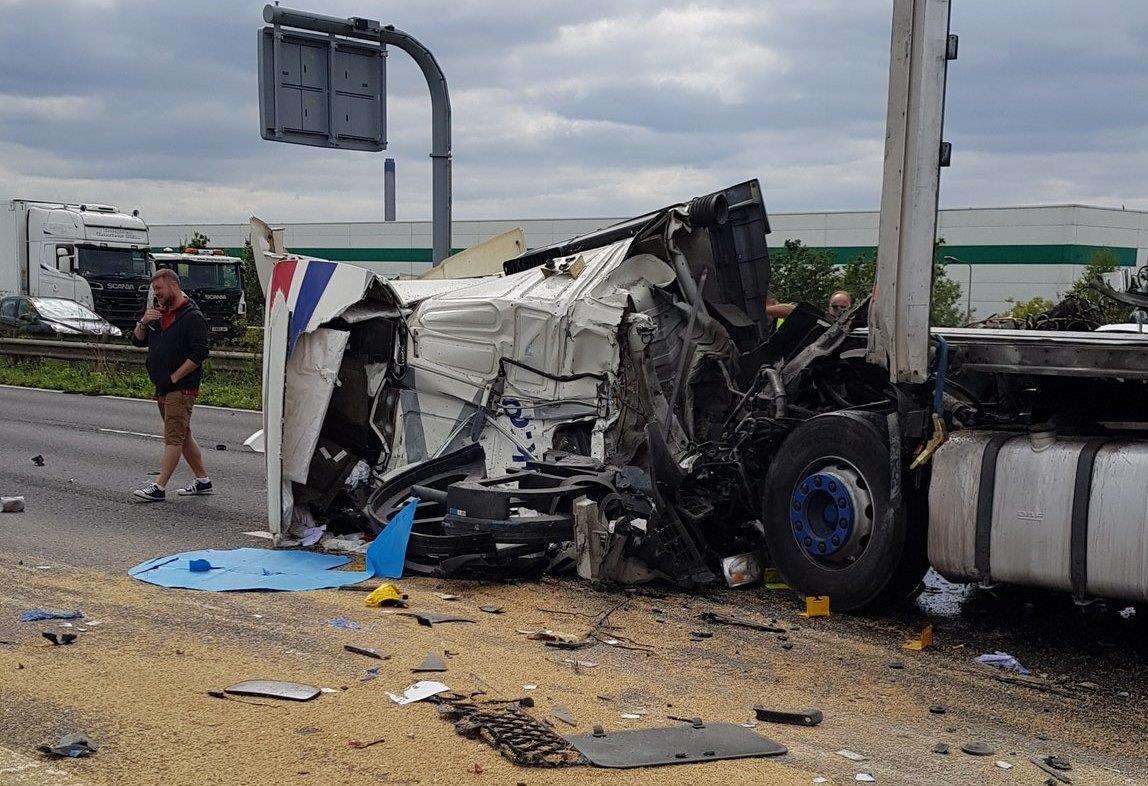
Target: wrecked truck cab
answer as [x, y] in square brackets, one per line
[577, 353]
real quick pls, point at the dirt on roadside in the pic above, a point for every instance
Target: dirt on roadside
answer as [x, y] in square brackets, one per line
[137, 682]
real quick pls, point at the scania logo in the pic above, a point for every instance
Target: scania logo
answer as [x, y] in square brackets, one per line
[214, 297]
[120, 286]
[1030, 515]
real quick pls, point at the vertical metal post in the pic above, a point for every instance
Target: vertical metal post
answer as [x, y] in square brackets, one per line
[389, 190]
[918, 63]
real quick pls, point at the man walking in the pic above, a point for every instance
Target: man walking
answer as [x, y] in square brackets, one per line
[176, 336]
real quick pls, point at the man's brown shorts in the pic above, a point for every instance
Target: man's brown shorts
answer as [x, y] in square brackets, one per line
[175, 409]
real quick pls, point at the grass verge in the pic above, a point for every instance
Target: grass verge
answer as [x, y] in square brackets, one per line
[238, 389]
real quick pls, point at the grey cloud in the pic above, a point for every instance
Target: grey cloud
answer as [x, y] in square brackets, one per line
[590, 108]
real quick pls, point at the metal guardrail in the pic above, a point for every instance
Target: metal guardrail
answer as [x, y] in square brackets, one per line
[113, 353]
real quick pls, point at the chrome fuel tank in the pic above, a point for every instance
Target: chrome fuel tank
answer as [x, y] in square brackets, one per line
[1066, 513]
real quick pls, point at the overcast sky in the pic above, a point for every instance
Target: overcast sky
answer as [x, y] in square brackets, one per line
[585, 108]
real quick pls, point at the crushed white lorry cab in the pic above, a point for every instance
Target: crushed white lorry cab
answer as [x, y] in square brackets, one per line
[619, 406]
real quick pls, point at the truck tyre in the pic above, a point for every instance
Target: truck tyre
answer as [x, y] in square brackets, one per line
[829, 523]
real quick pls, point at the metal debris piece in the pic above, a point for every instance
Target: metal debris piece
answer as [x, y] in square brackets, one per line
[418, 691]
[1004, 765]
[712, 618]
[809, 717]
[517, 735]
[70, 746]
[366, 652]
[1053, 771]
[342, 623]
[446, 596]
[864, 777]
[562, 713]
[273, 689]
[38, 460]
[490, 608]
[432, 662]
[58, 638]
[816, 606]
[896, 665]
[851, 755]
[11, 504]
[359, 745]
[1058, 762]
[678, 744]
[427, 619]
[556, 638]
[978, 748]
[39, 615]
[938, 709]
[941, 748]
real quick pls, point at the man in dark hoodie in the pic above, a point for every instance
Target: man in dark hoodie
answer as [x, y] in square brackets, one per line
[176, 336]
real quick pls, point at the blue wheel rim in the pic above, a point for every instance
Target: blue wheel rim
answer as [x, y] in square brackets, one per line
[822, 514]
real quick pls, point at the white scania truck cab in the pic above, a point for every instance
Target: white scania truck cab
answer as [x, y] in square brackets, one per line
[90, 253]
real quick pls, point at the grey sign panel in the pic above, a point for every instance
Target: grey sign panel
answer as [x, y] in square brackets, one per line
[322, 90]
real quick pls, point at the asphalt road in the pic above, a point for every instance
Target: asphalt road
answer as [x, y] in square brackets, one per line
[79, 507]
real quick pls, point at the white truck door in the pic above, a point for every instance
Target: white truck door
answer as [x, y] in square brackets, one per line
[55, 270]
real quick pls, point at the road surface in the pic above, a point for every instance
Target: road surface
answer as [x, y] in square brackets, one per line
[96, 450]
[138, 678]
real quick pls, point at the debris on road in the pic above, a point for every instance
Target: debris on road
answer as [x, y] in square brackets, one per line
[490, 608]
[809, 717]
[38, 615]
[365, 651]
[923, 640]
[851, 755]
[11, 504]
[1047, 765]
[978, 748]
[70, 746]
[773, 626]
[562, 713]
[342, 623]
[419, 691]
[679, 744]
[429, 619]
[386, 594]
[274, 689]
[1002, 660]
[432, 662]
[38, 460]
[942, 748]
[516, 734]
[250, 569]
[816, 606]
[57, 638]
[359, 744]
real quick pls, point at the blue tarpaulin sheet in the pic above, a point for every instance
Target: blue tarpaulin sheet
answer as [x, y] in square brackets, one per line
[273, 569]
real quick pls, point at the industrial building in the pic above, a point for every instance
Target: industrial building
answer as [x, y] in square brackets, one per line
[1006, 253]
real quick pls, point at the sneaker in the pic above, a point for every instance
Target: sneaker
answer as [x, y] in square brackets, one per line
[197, 488]
[151, 493]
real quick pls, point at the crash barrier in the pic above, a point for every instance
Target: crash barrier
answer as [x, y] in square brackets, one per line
[111, 353]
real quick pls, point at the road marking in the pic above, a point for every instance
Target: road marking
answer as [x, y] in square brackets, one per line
[133, 433]
[127, 398]
[15, 768]
[24, 387]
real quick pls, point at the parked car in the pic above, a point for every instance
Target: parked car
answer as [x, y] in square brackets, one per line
[52, 316]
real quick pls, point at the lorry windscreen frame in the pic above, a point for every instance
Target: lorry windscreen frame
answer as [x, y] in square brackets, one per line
[99, 262]
[194, 275]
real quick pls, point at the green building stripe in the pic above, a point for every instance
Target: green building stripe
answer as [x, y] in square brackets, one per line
[1050, 254]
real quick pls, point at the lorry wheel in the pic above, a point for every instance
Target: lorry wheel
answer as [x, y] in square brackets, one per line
[830, 526]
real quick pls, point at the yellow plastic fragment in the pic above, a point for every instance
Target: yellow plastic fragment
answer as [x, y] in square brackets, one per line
[922, 641]
[384, 594]
[816, 606]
